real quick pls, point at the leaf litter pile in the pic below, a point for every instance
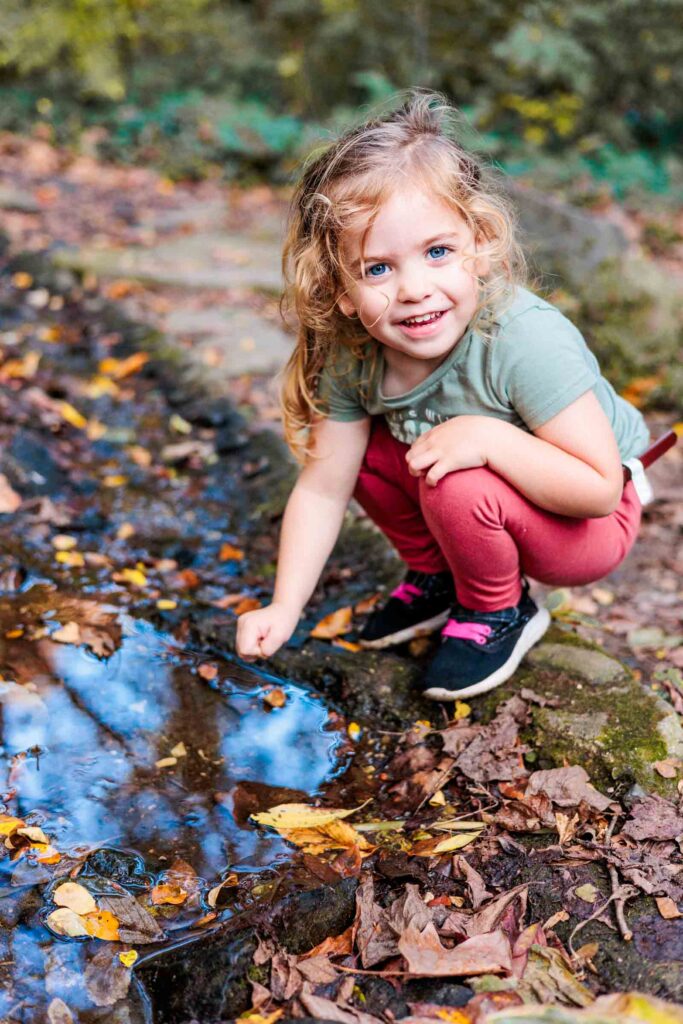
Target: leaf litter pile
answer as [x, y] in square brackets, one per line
[486, 890]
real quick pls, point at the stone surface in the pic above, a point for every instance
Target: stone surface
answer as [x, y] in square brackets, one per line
[17, 199]
[580, 662]
[241, 341]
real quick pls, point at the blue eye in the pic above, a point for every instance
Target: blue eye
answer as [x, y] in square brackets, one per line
[376, 270]
[437, 252]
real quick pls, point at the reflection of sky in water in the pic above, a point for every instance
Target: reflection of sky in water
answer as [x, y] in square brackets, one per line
[104, 725]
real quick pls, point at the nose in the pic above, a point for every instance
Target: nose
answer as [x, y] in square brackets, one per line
[414, 284]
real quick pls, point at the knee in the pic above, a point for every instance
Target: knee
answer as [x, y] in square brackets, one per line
[464, 494]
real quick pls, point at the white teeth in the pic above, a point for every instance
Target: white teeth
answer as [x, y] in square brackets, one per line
[425, 319]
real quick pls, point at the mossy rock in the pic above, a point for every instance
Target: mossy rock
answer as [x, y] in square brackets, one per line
[598, 715]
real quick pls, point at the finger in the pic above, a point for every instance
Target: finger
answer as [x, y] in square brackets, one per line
[436, 473]
[423, 459]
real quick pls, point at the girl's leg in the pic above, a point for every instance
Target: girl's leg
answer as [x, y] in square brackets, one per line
[491, 534]
[391, 497]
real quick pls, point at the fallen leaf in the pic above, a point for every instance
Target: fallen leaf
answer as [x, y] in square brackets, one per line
[207, 671]
[129, 957]
[668, 768]
[567, 787]
[165, 604]
[102, 924]
[71, 415]
[66, 922]
[229, 553]
[135, 577]
[9, 499]
[68, 634]
[588, 892]
[426, 957]
[166, 762]
[58, 1012]
[228, 883]
[285, 817]
[433, 847]
[136, 925]
[173, 894]
[179, 750]
[667, 908]
[347, 645]
[72, 559]
[654, 818]
[275, 698]
[333, 625]
[74, 896]
[35, 834]
[107, 978]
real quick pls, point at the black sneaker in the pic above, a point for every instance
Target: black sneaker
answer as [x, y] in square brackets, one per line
[416, 607]
[480, 650]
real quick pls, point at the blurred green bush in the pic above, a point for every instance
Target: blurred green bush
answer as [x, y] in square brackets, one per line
[587, 94]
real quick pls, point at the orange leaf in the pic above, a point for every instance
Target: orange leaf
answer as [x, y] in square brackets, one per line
[333, 625]
[276, 697]
[101, 924]
[207, 671]
[367, 604]
[228, 552]
[347, 645]
[168, 894]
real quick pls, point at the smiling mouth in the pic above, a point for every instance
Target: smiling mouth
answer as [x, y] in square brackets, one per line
[422, 321]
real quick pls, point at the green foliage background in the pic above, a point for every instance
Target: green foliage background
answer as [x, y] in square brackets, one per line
[589, 90]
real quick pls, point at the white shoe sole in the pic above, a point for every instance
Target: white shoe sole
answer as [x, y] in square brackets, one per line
[411, 633]
[531, 634]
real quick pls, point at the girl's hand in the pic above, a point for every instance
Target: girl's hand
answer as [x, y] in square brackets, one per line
[260, 633]
[460, 443]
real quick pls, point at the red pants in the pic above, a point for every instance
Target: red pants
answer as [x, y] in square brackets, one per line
[485, 531]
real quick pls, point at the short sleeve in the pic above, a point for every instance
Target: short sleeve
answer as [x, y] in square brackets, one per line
[339, 389]
[544, 365]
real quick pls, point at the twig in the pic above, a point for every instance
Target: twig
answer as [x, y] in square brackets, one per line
[617, 891]
[582, 924]
[619, 898]
[437, 785]
[373, 974]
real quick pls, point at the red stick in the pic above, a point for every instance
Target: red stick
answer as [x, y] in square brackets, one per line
[655, 451]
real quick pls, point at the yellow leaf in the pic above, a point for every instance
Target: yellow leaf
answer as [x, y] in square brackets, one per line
[433, 847]
[334, 835]
[166, 762]
[288, 816]
[35, 834]
[180, 425]
[95, 430]
[165, 604]
[588, 892]
[354, 731]
[229, 883]
[101, 924]
[120, 368]
[74, 896]
[72, 559]
[46, 854]
[63, 542]
[66, 922]
[462, 710]
[129, 957]
[8, 824]
[333, 625]
[438, 800]
[125, 531]
[100, 385]
[21, 279]
[179, 750]
[174, 894]
[276, 697]
[114, 480]
[71, 415]
[134, 576]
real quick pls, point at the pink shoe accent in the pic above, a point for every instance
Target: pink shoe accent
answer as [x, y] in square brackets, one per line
[406, 592]
[467, 631]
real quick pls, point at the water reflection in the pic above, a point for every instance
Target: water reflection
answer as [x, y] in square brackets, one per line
[97, 730]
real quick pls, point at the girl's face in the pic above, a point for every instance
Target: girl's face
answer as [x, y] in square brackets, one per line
[413, 288]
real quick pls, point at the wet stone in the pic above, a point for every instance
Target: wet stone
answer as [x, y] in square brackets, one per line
[591, 666]
[30, 468]
[433, 990]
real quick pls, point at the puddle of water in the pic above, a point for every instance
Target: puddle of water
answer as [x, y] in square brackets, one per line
[81, 741]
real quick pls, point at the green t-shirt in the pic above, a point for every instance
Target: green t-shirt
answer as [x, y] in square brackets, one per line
[535, 365]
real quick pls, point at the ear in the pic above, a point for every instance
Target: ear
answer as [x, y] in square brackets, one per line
[346, 305]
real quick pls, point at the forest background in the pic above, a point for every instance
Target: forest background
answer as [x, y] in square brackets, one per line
[579, 100]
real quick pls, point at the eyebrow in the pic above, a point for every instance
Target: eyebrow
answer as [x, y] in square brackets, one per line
[444, 237]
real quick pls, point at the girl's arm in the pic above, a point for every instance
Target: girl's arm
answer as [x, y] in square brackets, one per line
[310, 526]
[570, 465]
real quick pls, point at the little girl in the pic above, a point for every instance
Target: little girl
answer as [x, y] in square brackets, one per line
[464, 413]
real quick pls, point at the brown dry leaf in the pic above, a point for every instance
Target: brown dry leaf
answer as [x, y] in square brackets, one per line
[654, 818]
[167, 893]
[136, 925]
[668, 768]
[667, 908]
[228, 883]
[275, 698]
[337, 945]
[107, 979]
[74, 896]
[58, 1012]
[101, 924]
[9, 499]
[426, 957]
[567, 787]
[333, 625]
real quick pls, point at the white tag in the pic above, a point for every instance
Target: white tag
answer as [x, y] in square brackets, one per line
[640, 481]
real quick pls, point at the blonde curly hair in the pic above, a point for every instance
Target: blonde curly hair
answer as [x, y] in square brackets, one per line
[342, 189]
